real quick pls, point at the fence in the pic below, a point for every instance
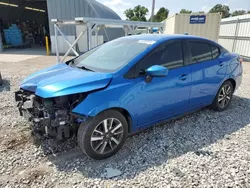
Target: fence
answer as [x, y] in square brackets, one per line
[235, 35]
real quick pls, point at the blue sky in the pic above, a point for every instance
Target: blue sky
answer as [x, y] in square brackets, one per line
[174, 5]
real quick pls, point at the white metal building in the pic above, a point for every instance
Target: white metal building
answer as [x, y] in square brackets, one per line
[235, 34]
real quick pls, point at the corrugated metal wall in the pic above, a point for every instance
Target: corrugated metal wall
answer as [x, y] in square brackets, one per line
[235, 34]
[180, 24]
[70, 9]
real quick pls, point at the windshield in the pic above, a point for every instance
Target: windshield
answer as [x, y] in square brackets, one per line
[112, 55]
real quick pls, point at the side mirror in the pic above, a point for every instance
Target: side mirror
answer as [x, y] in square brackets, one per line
[157, 71]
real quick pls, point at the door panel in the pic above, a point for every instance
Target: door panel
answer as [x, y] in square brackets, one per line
[206, 76]
[164, 97]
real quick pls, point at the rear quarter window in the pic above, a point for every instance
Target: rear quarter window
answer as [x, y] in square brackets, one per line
[215, 51]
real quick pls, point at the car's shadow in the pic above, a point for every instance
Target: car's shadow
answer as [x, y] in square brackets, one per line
[157, 145]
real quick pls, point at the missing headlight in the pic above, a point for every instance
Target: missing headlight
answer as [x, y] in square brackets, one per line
[50, 117]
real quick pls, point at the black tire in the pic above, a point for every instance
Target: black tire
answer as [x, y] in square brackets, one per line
[86, 130]
[216, 105]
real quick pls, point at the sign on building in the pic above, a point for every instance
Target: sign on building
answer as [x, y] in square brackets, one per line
[200, 19]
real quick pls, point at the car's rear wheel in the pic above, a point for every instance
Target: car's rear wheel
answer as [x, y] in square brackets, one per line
[223, 97]
[104, 135]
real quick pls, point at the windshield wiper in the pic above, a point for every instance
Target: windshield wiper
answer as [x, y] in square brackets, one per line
[72, 64]
[85, 68]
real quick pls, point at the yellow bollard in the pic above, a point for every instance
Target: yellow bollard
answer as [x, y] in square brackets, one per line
[47, 45]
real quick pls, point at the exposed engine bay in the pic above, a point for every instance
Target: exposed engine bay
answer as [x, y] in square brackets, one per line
[50, 117]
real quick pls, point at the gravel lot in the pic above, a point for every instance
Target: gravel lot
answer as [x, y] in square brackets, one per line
[204, 149]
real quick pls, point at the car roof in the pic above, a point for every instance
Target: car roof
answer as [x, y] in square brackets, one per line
[163, 37]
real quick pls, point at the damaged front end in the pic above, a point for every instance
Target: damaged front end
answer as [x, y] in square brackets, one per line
[50, 117]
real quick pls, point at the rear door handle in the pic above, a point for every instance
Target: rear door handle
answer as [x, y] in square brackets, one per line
[221, 64]
[183, 77]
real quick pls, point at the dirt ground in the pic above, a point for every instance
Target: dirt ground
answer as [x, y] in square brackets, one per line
[26, 66]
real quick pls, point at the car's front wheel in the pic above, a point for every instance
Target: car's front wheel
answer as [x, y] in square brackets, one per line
[223, 97]
[104, 135]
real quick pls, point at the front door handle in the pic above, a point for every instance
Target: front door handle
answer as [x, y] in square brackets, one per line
[183, 77]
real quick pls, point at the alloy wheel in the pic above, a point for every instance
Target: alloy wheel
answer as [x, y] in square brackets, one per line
[107, 135]
[225, 96]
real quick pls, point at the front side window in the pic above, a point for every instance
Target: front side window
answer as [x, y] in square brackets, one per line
[112, 55]
[200, 52]
[167, 55]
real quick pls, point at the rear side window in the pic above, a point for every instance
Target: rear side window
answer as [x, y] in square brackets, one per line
[167, 55]
[215, 51]
[200, 52]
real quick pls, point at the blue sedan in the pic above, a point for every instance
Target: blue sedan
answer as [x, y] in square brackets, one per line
[126, 85]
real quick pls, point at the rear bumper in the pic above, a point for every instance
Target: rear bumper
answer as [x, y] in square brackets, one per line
[238, 78]
[238, 81]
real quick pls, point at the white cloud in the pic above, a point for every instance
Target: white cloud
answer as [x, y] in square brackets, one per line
[205, 8]
[116, 3]
[119, 6]
[234, 9]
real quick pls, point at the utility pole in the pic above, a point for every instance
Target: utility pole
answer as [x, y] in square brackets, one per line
[152, 14]
[153, 9]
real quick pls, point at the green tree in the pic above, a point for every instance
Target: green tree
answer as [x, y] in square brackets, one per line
[238, 12]
[221, 8]
[248, 12]
[138, 13]
[184, 11]
[161, 15]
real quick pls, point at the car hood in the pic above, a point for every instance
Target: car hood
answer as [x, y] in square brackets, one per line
[62, 79]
